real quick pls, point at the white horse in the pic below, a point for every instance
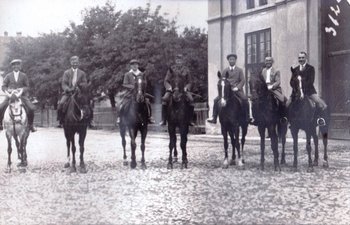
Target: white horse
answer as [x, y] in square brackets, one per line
[15, 123]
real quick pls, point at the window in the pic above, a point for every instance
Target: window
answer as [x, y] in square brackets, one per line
[250, 4]
[262, 2]
[257, 47]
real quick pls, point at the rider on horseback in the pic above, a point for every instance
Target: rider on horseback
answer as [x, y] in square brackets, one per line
[272, 78]
[17, 80]
[237, 80]
[306, 74]
[129, 84]
[177, 72]
[73, 79]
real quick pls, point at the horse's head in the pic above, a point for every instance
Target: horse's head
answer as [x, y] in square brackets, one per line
[81, 98]
[178, 89]
[224, 88]
[296, 84]
[15, 106]
[139, 89]
[258, 87]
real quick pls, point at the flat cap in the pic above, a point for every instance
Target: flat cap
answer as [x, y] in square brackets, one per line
[15, 61]
[134, 61]
[231, 54]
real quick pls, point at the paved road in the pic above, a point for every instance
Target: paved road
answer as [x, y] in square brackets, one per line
[111, 193]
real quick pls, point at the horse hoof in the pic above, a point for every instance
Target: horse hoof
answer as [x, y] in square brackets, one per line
[310, 169]
[315, 163]
[233, 162]
[175, 160]
[240, 163]
[8, 170]
[143, 166]
[133, 165]
[82, 169]
[184, 166]
[170, 166]
[73, 169]
[67, 165]
[262, 167]
[125, 163]
[283, 161]
[225, 166]
[325, 164]
[22, 164]
[22, 170]
[25, 163]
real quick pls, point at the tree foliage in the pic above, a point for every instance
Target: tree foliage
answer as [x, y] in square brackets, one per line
[105, 42]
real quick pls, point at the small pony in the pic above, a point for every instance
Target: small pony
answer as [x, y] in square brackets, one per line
[16, 125]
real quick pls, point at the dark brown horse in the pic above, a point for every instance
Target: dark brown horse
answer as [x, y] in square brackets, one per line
[303, 115]
[75, 121]
[266, 113]
[179, 116]
[231, 119]
[134, 118]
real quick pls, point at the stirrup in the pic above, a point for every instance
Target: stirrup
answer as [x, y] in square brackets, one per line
[162, 123]
[321, 122]
[284, 120]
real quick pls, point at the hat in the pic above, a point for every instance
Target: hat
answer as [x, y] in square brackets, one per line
[134, 61]
[15, 61]
[229, 55]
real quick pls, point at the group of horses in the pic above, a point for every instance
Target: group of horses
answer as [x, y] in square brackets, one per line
[302, 115]
[134, 119]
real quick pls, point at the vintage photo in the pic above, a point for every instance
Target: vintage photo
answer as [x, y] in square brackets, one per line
[174, 112]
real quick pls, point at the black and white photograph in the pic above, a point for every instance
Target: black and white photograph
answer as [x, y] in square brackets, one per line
[134, 112]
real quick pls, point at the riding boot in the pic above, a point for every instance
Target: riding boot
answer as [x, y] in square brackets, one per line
[215, 114]
[31, 120]
[59, 118]
[150, 118]
[164, 115]
[191, 123]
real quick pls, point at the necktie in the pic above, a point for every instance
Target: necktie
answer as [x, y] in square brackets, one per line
[74, 80]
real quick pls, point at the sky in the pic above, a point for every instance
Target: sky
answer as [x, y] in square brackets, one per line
[34, 17]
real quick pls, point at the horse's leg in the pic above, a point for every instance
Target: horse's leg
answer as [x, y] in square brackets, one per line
[224, 134]
[237, 145]
[143, 147]
[175, 154]
[132, 134]
[244, 127]
[122, 135]
[233, 143]
[261, 130]
[325, 146]
[274, 146]
[308, 148]
[9, 151]
[315, 138]
[294, 132]
[172, 143]
[82, 135]
[282, 133]
[73, 168]
[183, 143]
[24, 139]
[67, 164]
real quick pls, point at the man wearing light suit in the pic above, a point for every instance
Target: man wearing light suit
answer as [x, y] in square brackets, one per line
[16, 80]
[72, 78]
[272, 78]
[237, 81]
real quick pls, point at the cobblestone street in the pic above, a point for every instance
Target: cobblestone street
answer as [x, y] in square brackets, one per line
[111, 193]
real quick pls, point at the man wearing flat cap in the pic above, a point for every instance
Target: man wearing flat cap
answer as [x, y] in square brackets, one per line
[16, 80]
[129, 84]
[177, 72]
[237, 81]
[73, 78]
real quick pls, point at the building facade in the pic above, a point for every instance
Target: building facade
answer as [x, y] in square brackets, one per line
[254, 29]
